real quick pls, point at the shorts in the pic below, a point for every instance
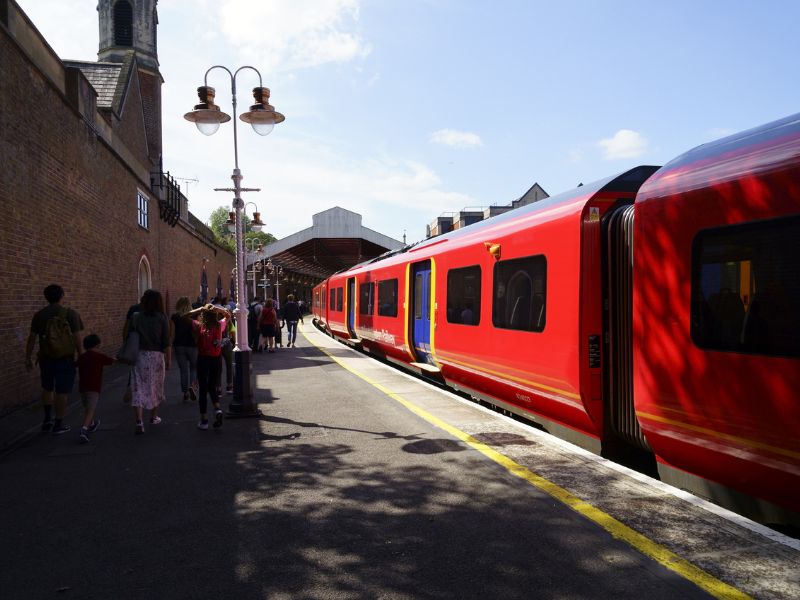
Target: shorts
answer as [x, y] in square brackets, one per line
[268, 330]
[57, 374]
[89, 400]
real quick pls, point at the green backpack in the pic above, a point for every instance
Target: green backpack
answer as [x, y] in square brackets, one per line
[58, 341]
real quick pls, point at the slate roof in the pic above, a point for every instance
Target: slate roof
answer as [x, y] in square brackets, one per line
[110, 81]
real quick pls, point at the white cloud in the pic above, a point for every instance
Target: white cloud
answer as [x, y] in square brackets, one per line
[300, 177]
[456, 139]
[624, 144]
[286, 34]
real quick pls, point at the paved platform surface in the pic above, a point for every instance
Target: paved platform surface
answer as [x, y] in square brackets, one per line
[358, 482]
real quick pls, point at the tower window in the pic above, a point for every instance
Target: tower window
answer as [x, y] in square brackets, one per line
[123, 23]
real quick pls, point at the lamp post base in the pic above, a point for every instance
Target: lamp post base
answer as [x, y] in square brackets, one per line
[242, 405]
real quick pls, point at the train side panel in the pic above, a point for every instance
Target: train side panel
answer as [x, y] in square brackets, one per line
[717, 300]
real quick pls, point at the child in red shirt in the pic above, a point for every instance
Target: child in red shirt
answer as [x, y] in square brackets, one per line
[90, 371]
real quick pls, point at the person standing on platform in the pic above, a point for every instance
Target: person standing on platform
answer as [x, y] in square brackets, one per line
[90, 371]
[291, 315]
[209, 328]
[267, 322]
[155, 356]
[184, 348]
[253, 313]
[56, 327]
[228, 338]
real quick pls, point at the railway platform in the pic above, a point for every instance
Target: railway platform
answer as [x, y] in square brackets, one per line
[359, 481]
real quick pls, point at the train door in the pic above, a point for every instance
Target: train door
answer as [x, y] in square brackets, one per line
[420, 315]
[351, 307]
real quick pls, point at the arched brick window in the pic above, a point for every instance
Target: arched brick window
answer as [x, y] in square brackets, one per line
[144, 276]
[123, 23]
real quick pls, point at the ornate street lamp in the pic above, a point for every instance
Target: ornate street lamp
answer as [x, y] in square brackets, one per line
[207, 116]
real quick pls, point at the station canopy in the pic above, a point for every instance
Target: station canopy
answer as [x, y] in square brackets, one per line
[337, 240]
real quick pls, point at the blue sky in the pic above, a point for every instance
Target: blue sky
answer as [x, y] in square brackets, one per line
[403, 110]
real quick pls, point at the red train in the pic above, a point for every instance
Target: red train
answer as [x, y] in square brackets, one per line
[658, 309]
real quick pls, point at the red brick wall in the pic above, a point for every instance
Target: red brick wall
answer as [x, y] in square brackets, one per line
[70, 217]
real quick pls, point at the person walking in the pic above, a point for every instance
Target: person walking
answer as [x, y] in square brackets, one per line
[155, 356]
[228, 337]
[254, 310]
[90, 372]
[56, 328]
[291, 315]
[209, 328]
[267, 322]
[184, 348]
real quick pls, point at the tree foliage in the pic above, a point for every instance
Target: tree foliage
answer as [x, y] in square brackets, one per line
[217, 220]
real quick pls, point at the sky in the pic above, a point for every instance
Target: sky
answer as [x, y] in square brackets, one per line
[404, 110]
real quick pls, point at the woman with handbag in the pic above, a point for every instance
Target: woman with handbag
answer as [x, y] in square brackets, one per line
[155, 356]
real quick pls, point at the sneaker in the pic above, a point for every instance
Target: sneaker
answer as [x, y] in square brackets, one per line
[155, 420]
[47, 426]
[83, 437]
[193, 392]
[61, 428]
[229, 390]
[217, 419]
[139, 428]
[203, 425]
[93, 427]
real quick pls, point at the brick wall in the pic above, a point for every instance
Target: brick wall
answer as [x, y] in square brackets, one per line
[70, 217]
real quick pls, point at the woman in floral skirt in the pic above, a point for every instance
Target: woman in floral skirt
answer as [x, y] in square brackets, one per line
[155, 356]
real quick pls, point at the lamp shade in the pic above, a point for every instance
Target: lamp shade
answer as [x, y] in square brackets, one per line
[262, 116]
[207, 116]
[256, 224]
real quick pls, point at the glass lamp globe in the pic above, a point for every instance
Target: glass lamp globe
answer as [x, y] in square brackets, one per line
[207, 128]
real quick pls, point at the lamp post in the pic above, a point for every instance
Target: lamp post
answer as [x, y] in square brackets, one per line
[278, 275]
[207, 116]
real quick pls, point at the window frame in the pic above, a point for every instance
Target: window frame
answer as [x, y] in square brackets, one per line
[737, 236]
[462, 300]
[394, 300]
[143, 209]
[534, 281]
[366, 305]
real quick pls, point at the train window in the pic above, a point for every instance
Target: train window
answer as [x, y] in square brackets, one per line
[746, 288]
[418, 296]
[366, 293]
[387, 298]
[520, 292]
[333, 299]
[339, 299]
[464, 296]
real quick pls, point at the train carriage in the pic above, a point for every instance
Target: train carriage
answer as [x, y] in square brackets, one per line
[656, 311]
[717, 330]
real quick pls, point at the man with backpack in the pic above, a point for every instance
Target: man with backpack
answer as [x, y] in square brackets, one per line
[56, 328]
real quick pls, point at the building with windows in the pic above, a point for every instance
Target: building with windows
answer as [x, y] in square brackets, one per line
[87, 201]
[450, 221]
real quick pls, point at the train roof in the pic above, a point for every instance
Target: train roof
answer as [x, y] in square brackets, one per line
[627, 181]
[762, 149]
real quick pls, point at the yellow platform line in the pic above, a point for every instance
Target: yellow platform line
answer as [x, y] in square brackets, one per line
[622, 532]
